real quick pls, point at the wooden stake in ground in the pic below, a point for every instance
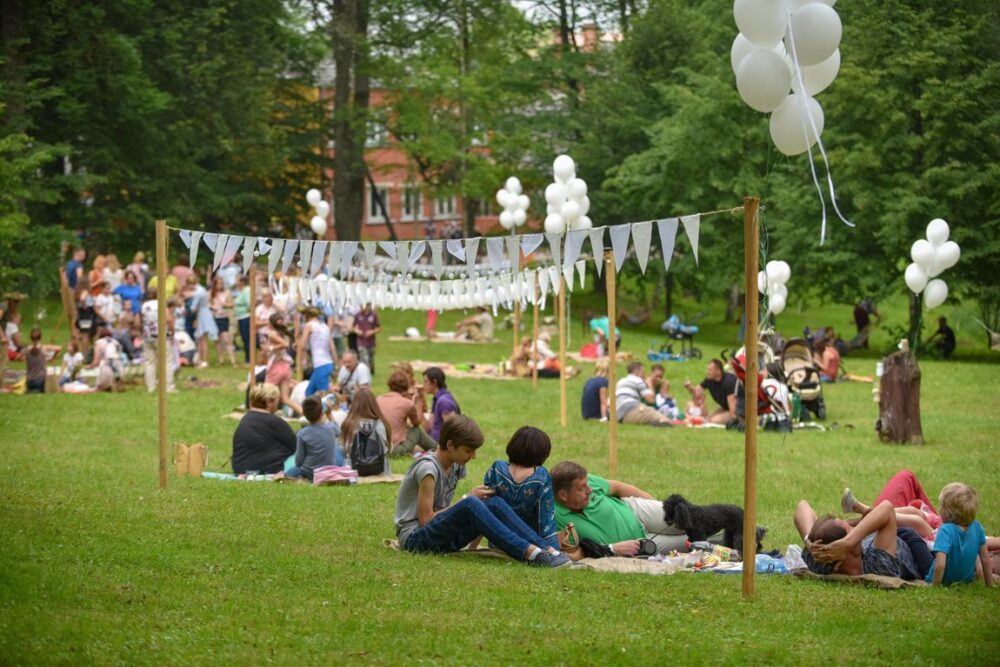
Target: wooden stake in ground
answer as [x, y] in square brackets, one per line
[751, 242]
[534, 339]
[300, 369]
[253, 325]
[161, 344]
[517, 325]
[609, 272]
[562, 351]
[899, 400]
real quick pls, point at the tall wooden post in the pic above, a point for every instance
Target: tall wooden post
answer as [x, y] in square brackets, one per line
[299, 344]
[161, 344]
[253, 326]
[534, 337]
[750, 250]
[609, 272]
[517, 326]
[562, 351]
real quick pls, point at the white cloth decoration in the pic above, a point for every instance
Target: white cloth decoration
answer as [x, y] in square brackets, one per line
[554, 276]
[220, 250]
[370, 251]
[185, 238]
[211, 241]
[318, 256]
[619, 243]
[437, 259]
[402, 255]
[574, 245]
[514, 253]
[333, 261]
[494, 251]
[668, 235]
[597, 247]
[195, 243]
[262, 245]
[530, 242]
[691, 226]
[248, 249]
[306, 254]
[555, 246]
[456, 249]
[581, 268]
[416, 252]
[347, 250]
[272, 259]
[471, 254]
[642, 234]
[389, 247]
[543, 286]
[287, 254]
[567, 272]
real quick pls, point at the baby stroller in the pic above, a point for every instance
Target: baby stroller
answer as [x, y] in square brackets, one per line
[802, 376]
[771, 409]
[677, 330]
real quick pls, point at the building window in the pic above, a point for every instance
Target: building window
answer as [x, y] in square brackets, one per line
[374, 210]
[412, 202]
[444, 207]
[376, 135]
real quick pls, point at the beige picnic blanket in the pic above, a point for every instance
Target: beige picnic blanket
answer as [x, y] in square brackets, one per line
[440, 339]
[474, 371]
[394, 478]
[577, 357]
[876, 580]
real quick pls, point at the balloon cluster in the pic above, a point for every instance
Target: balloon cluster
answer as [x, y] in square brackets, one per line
[931, 257]
[771, 281]
[318, 223]
[567, 199]
[514, 202]
[776, 36]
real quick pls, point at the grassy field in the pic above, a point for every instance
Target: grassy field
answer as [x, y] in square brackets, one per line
[98, 566]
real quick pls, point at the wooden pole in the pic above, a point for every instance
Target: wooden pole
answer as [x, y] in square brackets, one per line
[562, 351]
[750, 250]
[161, 344]
[253, 325]
[534, 334]
[517, 326]
[300, 369]
[609, 272]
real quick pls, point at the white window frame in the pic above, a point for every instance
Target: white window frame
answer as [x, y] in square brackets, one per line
[445, 215]
[417, 211]
[373, 212]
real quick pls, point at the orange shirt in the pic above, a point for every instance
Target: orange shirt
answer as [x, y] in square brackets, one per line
[396, 409]
[831, 362]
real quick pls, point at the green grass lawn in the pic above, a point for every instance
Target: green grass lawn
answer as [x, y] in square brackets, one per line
[99, 566]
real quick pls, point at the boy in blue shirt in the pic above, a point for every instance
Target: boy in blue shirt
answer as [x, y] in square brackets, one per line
[315, 444]
[960, 539]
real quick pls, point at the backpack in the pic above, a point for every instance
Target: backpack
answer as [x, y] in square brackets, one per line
[368, 449]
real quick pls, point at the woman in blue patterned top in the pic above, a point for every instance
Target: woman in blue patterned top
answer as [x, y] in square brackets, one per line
[525, 484]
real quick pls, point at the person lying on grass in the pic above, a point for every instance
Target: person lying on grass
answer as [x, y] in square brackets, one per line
[873, 546]
[427, 522]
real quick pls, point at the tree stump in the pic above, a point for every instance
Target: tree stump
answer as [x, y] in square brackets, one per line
[899, 400]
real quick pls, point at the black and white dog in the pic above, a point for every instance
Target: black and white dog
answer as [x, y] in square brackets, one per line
[702, 521]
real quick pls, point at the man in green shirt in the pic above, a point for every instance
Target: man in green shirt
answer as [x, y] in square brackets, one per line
[610, 512]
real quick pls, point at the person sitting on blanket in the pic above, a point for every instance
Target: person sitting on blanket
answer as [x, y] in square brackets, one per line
[262, 441]
[443, 404]
[594, 400]
[427, 522]
[833, 546]
[478, 327]
[405, 418]
[315, 444]
[524, 483]
[634, 399]
[722, 386]
[353, 375]
[612, 512]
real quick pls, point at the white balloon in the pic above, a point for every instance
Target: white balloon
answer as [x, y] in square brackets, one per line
[741, 49]
[816, 30]
[776, 303]
[513, 185]
[916, 278]
[318, 225]
[818, 77]
[502, 197]
[795, 4]
[584, 205]
[762, 281]
[523, 202]
[937, 231]
[570, 211]
[778, 289]
[771, 269]
[945, 257]
[506, 219]
[322, 209]
[555, 194]
[550, 209]
[935, 293]
[313, 196]
[583, 222]
[922, 252]
[554, 224]
[576, 189]
[519, 216]
[763, 80]
[762, 22]
[787, 122]
[563, 167]
[784, 271]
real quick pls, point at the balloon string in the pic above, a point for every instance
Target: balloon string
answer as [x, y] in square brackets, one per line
[807, 117]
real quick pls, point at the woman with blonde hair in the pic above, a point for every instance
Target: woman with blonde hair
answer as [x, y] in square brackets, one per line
[96, 274]
[113, 274]
[139, 268]
[262, 442]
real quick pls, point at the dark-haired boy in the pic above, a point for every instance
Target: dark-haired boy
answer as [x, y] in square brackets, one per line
[315, 444]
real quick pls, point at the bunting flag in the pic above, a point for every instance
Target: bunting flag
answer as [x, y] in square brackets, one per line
[195, 244]
[305, 255]
[471, 254]
[543, 285]
[370, 251]
[668, 234]
[220, 249]
[494, 252]
[530, 242]
[288, 254]
[456, 249]
[555, 245]
[437, 260]
[416, 252]
[248, 250]
[581, 268]
[642, 234]
[567, 272]
[348, 248]
[232, 247]
[333, 261]
[574, 245]
[389, 247]
[514, 253]
[318, 256]
[185, 237]
[211, 240]
[597, 247]
[402, 255]
[691, 226]
[262, 245]
[272, 259]
[554, 276]
[619, 243]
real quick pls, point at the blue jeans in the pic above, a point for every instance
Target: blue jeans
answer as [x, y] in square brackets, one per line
[454, 528]
[320, 379]
[303, 473]
[244, 325]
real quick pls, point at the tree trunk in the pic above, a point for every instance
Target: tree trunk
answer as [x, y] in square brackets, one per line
[899, 400]
[668, 300]
[915, 310]
[733, 310]
[349, 25]
[470, 209]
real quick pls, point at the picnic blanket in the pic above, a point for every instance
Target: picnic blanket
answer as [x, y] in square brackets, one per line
[229, 477]
[440, 338]
[470, 370]
[875, 580]
[620, 356]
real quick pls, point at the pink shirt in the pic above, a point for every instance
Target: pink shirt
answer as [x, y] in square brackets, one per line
[397, 409]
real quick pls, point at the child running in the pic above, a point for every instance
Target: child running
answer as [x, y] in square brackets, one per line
[426, 522]
[960, 539]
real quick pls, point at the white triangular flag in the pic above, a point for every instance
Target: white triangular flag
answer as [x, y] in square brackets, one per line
[248, 249]
[370, 251]
[668, 234]
[530, 243]
[287, 254]
[416, 252]
[272, 259]
[691, 225]
[195, 244]
[494, 251]
[220, 250]
[567, 272]
[402, 255]
[642, 234]
[554, 276]
[555, 246]
[619, 243]
[305, 254]
[185, 238]
[211, 240]
[318, 256]
[581, 268]
[232, 247]
[348, 248]
[471, 254]
[456, 249]
[437, 259]
[389, 247]
[543, 286]
[333, 262]
[597, 247]
[262, 245]
[574, 245]
[514, 253]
